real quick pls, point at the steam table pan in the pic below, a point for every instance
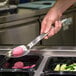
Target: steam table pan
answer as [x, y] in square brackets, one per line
[28, 60]
[53, 61]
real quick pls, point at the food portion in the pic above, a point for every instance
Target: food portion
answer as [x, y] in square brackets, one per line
[65, 67]
[20, 65]
[17, 51]
[60, 66]
[31, 61]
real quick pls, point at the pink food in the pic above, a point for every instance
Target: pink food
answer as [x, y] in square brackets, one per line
[17, 51]
[14, 67]
[32, 66]
[26, 67]
[6, 64]
[18, 65]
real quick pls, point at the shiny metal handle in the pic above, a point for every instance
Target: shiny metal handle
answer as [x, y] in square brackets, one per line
[3, 3]
[40, 37]
[36, 40]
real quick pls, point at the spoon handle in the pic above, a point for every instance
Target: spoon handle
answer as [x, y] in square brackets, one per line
[36, 40]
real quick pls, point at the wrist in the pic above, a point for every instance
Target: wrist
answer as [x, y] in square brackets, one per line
[59, 11]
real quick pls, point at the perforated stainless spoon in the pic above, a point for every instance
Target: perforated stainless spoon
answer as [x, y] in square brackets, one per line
[27, 48]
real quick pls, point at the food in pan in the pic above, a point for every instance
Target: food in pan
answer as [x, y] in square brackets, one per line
[27, 67]
[32, 66]
[20, 65]
[71, 67]
[65, 67]
[6, 65]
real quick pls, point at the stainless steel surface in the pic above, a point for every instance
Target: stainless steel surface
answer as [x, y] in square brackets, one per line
[54, 52]
[3, 3]
[46, 50]
[22, 34]
[25, 13]
[21, 15]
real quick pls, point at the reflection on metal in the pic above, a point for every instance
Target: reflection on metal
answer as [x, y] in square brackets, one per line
[3, 3]
[66, 24]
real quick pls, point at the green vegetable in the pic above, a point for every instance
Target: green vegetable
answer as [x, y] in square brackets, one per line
[65, 67]
[70, 67]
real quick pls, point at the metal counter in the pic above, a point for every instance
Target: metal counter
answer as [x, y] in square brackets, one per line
[48, 51]
[22, 14]
[56, 51]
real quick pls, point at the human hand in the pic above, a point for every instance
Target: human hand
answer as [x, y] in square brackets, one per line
[52, 17]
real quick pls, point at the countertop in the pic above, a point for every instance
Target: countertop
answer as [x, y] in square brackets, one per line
[28, 13]
[23, 14]
[46, 52]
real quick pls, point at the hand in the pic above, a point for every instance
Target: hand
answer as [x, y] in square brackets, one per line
[52, 17]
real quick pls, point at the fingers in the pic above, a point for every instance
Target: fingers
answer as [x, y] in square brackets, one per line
[46, 26]
[43, 26]
[55, 29]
